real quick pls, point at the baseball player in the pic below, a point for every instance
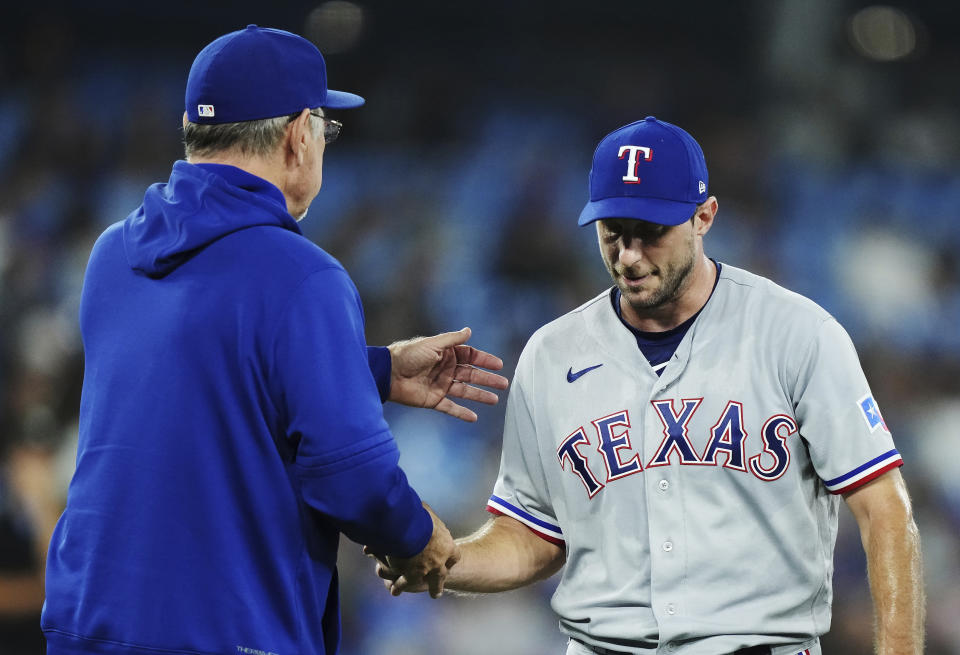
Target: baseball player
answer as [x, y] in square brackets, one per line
[679, 444]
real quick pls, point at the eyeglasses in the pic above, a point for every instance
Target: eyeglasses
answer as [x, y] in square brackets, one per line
[331, 128]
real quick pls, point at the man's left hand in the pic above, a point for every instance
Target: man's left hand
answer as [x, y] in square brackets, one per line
[429, 371]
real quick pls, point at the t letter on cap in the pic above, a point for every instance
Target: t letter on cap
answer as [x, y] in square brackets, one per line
[633, 162]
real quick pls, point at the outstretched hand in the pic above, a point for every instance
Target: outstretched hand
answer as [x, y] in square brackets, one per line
[429, 371]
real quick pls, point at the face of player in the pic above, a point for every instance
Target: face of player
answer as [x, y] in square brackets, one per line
[651, 264]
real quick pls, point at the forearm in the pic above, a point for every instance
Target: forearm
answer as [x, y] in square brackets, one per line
[894, 565]
[503, 555]
[368, 498]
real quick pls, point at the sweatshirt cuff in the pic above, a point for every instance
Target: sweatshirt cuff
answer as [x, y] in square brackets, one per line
[378, 358]
[417, 535]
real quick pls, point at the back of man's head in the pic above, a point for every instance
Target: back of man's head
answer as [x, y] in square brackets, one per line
[256, 138]
[246, 86]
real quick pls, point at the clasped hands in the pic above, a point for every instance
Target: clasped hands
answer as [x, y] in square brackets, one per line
[425, 571]
[428, 372]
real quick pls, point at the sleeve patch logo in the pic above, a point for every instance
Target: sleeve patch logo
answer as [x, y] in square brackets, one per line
[871, 414]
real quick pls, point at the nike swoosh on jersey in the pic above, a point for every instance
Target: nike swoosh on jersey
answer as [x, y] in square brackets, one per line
[571, 376]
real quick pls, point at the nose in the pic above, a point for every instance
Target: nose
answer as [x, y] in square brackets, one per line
[631, 250]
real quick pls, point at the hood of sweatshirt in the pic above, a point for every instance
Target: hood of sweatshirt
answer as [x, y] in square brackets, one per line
[198, 205]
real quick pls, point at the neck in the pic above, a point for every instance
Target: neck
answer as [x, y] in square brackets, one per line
[254, 165]
[690, 299]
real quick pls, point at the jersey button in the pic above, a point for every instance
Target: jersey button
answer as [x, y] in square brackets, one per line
[664, 485]
[671, 609]
[667, 546]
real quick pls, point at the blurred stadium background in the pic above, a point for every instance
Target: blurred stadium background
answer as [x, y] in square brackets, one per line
[832, 134]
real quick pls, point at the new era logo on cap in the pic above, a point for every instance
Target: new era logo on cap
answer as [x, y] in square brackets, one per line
[205, 111]
[649, 170]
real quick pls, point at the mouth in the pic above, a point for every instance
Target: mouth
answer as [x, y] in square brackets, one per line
[634, 280]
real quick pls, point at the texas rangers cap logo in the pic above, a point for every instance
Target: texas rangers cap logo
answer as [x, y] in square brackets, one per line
[648, 170]
[633, 161]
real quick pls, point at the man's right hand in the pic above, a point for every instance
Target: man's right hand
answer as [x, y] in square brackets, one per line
[425, 571]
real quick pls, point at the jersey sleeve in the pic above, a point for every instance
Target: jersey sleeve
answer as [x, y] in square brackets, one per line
[521, 488]
[346, 461]
[378, 357]
[848, 439]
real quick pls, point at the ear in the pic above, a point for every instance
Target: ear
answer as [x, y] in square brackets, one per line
[185, 121]
[706, 212]
[295, 143]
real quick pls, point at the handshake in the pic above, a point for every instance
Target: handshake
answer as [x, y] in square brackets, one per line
[426, 570]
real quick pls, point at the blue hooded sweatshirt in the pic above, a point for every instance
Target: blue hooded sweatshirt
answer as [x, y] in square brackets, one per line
[230, 430]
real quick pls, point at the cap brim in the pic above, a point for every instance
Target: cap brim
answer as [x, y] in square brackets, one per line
[653, 210]
[342, 100]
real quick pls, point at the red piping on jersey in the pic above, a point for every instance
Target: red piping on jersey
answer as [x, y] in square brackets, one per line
[545, 537]
[872, 476]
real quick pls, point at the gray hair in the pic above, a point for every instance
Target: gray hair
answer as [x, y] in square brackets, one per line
[249, 138]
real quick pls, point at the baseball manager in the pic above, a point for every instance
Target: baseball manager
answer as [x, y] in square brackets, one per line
[231, 425]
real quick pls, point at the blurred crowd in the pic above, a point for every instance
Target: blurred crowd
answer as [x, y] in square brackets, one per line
[452, 200]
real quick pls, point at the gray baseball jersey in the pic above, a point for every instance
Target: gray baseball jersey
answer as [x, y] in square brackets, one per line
[698, 509]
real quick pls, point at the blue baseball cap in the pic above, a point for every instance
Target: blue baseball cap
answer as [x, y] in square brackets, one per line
[258, 73]
[649, 170]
